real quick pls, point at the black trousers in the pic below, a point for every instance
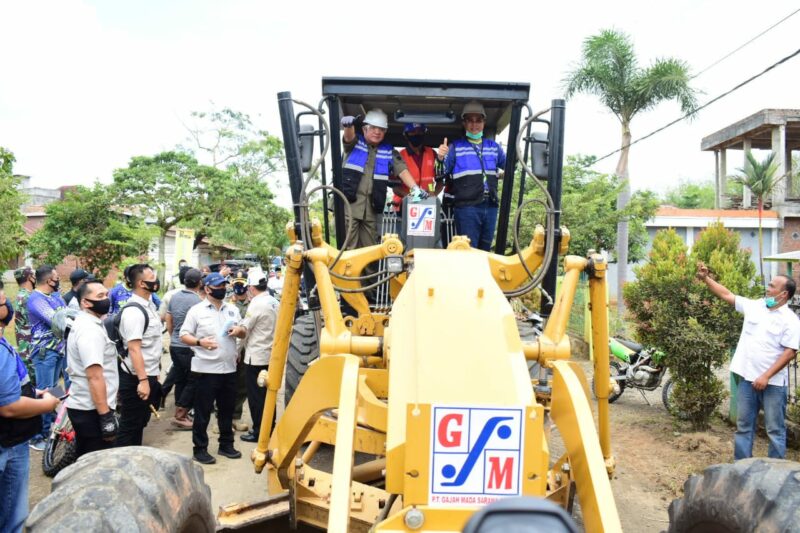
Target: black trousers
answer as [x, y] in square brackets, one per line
[210, 388]
[256, 396]
[241, 389]
[134, 412]
[88, 437]
[180, 372]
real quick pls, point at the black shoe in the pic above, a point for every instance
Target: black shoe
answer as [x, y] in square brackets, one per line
[202, 456]
[249, 437]
[229, 451]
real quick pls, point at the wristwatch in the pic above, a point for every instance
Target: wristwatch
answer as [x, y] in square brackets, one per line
[198, 341]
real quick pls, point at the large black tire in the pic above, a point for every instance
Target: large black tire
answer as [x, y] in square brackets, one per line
[614, 369]
[749, 495]
[303, 349]
[58, 453]
[132, 489]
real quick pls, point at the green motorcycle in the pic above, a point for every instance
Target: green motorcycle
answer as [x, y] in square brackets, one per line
[634, 366]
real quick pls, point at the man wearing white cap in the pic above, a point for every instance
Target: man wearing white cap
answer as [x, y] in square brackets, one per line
[369, 161]
[258, 327]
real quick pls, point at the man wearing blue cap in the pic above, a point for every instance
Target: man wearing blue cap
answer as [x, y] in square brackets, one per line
[421, 163]
[209, 328]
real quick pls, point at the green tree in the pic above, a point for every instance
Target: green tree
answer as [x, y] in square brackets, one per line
[588, 204]
[169, 189]
[676, 314]
[229, 140]
[243, 215]
[689, 195]
[83, 224]
[13, 237]
[761, 177]
[609, 70]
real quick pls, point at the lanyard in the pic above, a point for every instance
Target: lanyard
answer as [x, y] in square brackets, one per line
[479, 153]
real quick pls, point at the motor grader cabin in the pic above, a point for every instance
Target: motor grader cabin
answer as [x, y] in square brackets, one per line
[409, 363]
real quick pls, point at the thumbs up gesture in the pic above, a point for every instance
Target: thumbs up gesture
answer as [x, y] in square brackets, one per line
[443, 149]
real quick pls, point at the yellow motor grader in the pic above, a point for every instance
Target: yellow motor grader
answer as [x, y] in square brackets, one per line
[417, 361]
[406, 358]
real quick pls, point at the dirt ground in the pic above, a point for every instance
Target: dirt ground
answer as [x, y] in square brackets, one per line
[655, 454]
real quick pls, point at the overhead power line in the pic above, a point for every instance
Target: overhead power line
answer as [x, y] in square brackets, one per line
[695, 110]
[729, 54]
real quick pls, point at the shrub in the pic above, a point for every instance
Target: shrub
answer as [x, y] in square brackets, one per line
[677, 314]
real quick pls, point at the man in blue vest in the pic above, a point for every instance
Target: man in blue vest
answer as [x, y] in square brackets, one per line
[368, 163]
[475, 164]
[20, 420]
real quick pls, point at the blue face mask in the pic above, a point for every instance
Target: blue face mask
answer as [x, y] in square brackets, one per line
[475, 136]
[771, 302]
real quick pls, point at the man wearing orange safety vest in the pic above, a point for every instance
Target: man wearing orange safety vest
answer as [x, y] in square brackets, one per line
[421, 162]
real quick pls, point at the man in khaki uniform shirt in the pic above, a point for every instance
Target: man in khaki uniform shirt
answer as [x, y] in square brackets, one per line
[367, 202]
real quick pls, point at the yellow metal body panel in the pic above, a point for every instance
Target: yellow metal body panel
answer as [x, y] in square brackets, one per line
[447, 344]
[320, 389]
[436, 519]
[452, 340]
[573, 416]
[343, 452]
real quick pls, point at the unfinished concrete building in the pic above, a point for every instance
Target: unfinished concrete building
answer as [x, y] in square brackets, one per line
[777, 130]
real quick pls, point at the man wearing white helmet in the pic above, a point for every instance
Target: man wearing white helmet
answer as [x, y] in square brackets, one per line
[369, 161]
[475, 164]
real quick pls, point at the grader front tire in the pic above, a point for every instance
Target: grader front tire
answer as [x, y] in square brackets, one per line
[749, 495]
[133, 489]
[303, 349]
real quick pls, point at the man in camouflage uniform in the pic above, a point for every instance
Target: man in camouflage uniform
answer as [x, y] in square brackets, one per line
[25, 278]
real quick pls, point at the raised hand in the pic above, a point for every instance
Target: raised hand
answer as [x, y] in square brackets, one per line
[349, 121]
[443, 149]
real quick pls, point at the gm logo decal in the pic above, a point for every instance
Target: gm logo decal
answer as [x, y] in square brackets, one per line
[476, 455]
[421, 220]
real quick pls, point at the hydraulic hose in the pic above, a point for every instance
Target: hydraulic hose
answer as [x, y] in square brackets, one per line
[550, 211]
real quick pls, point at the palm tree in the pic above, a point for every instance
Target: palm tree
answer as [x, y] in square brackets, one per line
[760, 177]
[609, 70]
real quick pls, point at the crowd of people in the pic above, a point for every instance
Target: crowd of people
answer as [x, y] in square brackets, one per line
[106, 364]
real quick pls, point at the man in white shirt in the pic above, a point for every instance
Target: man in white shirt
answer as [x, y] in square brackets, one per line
[258, 327]
[275, 283]
[138, 373]
[209, 328]
[769, 341]
[92, 365]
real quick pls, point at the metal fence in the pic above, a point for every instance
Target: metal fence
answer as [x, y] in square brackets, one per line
[579, 323]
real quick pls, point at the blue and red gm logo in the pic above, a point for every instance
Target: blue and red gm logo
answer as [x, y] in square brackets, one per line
[421, 219]
[476, 455]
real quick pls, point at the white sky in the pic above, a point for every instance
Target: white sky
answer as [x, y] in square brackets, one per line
[87, 85]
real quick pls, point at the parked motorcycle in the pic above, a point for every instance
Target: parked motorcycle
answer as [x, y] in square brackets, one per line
[634, 366]
[60, 450]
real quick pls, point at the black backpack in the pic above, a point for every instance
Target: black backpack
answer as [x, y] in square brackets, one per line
[112, 322]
